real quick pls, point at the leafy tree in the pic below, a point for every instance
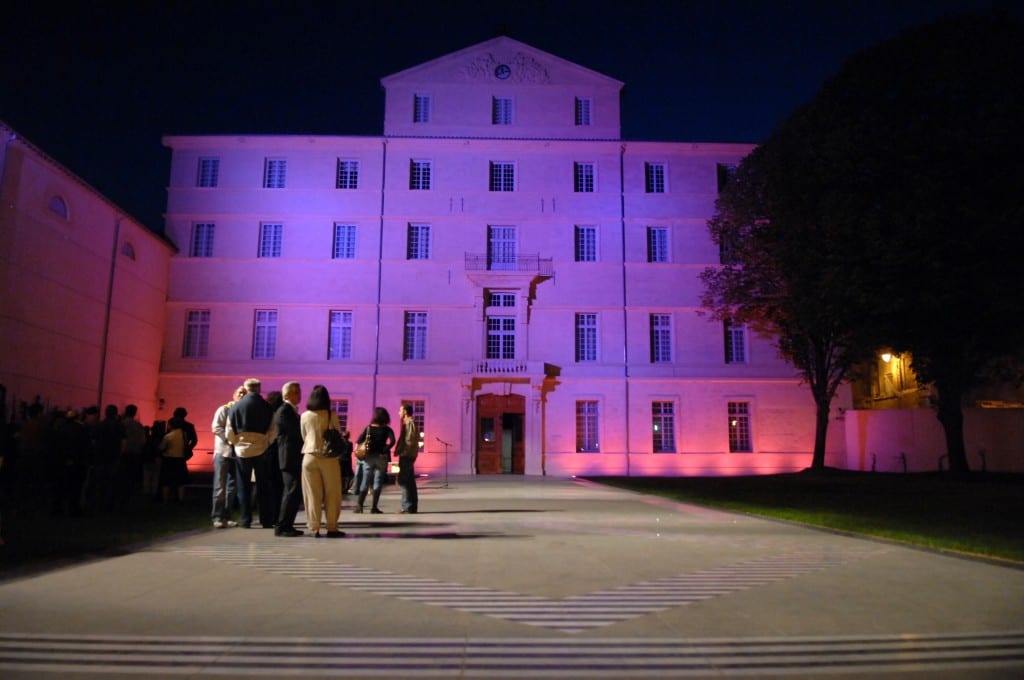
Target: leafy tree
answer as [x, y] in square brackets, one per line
[904, 179]
[777, 273]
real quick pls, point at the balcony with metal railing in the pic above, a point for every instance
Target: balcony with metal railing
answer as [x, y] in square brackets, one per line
[522, 264]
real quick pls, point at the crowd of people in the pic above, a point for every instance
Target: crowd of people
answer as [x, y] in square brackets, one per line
[268, 460]
[74, 462]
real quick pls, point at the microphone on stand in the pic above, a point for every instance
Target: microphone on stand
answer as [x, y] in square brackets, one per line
[446, 445]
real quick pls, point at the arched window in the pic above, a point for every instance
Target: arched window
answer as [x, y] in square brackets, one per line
[59, 207]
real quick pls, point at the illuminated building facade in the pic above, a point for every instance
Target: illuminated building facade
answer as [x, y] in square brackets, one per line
[500, 258]
[82, 290]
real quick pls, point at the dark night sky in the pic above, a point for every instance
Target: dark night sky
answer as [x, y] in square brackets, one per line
[97, 86]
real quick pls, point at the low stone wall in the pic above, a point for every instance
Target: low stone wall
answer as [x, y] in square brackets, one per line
[912, 440]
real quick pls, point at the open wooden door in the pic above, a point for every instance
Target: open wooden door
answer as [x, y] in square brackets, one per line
[499, 439]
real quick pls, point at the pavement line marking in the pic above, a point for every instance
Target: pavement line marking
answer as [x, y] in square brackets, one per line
[572, 614]
[970, 653]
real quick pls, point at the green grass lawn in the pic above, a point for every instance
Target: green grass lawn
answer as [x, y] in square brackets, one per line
[982, 514]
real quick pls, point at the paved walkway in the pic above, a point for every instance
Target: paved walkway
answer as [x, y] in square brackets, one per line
[520, 578]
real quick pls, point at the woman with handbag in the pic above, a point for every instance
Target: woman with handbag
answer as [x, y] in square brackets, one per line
[173, 471]
[378, 438]
[321, 474]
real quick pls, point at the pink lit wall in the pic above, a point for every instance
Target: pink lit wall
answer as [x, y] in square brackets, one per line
[912, 440]
[82, 289]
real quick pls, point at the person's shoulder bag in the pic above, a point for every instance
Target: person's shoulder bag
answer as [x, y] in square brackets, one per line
[364, 446]
[334, 445]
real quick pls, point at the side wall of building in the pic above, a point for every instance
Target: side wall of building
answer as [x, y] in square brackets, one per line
[82, 291]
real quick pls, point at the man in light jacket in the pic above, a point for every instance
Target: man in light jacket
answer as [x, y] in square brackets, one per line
[224, 465]
[250, 422]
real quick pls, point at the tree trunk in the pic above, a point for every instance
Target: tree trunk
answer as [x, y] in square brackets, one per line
[823, 406]
[951, 415]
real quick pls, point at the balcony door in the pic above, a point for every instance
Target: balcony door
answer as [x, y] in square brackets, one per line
[501, 248]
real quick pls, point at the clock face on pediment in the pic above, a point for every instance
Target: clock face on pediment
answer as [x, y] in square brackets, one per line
[502, 71]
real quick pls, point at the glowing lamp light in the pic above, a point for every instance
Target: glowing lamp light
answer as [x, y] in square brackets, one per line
[886, 357]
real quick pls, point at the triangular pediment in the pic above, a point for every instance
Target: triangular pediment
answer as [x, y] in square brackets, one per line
[501, 59]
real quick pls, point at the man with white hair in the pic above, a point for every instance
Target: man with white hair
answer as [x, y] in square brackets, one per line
[249, 430]
[223, 465]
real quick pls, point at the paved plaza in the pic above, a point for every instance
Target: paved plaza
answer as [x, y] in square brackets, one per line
[513, 577]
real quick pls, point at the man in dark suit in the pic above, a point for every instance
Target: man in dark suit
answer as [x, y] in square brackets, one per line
[289, 454]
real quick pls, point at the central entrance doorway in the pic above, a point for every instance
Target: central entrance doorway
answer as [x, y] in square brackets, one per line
[499, 434]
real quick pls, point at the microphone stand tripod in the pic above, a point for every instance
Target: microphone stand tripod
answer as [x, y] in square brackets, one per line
[446, 445]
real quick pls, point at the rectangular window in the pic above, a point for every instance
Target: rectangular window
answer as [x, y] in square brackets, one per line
[419, 175]
[421, 108]
[663, 427]
[501, 248]
[661, 339]
[501, 299]
[274, 170]
[419, 416]
[582, 111]
[202, 239]
[270, 240]
[501, 111]
[197, 334]
[415, 340]
[209, 168]
[735, 343]
[344, 244]
[654, 178]
[339, 335]
[739, 427]
[347, 175]
[583, 177]
[657, 244]
[586, 427]
[586, 337]
[264, 337]
[503, 176]
[417, 245]
[340, 408]
[585, 243]
[501, 337]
